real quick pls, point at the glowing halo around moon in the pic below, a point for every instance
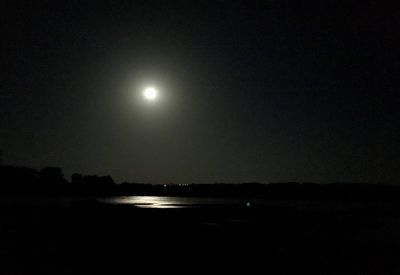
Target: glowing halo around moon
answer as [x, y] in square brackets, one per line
[150, 93]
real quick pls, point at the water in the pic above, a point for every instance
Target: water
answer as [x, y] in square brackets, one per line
[173, 202]
[137, 201]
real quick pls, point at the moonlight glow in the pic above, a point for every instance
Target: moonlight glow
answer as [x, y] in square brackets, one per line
[150, 93]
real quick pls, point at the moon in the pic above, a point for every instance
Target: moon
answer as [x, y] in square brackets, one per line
[150, 93]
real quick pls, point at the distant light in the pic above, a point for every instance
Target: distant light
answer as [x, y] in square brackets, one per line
[248, 204]
[150, 93]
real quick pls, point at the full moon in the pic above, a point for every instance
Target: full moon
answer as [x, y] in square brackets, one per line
[150, 93]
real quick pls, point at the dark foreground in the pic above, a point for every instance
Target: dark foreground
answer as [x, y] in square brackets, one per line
[94, 238]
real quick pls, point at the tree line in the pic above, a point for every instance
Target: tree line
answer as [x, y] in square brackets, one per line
[51, 181]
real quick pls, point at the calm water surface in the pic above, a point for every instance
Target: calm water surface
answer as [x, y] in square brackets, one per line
[173, 202]
[138, 201]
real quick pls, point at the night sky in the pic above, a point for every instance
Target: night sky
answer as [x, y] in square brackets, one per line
[281, 91]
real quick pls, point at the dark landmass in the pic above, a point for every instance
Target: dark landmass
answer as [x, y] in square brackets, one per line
[330, 229]
[50, 181]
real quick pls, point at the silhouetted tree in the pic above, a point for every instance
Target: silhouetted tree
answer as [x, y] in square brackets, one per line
[77, 179]
[51, 175]
[98, 185]
[106, 181]
[18, 179]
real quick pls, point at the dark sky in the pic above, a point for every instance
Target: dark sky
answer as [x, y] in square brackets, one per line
[283, 91]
